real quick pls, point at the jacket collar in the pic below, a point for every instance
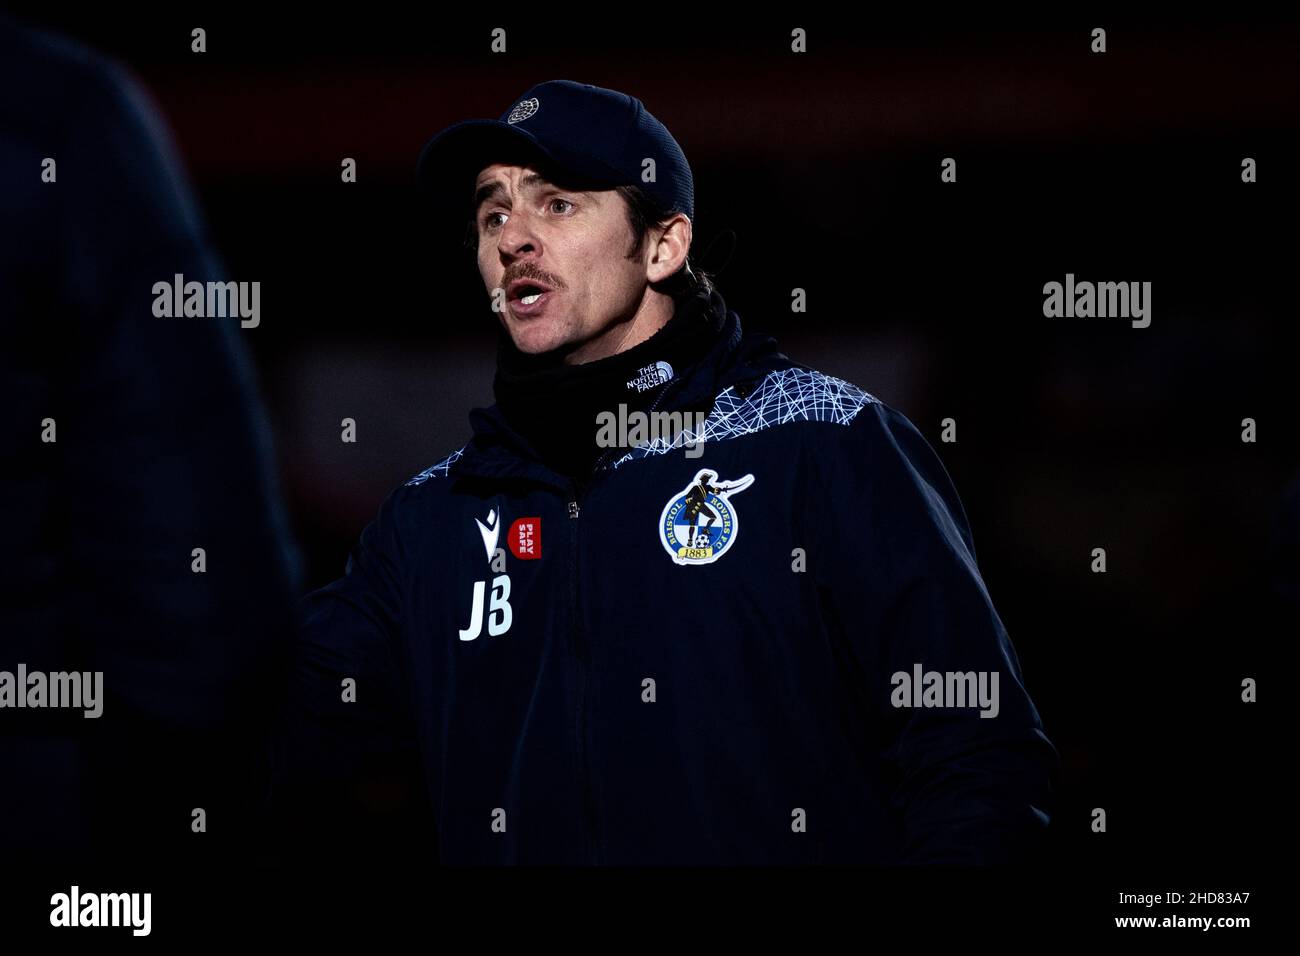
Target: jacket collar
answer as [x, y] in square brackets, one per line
[498, 452]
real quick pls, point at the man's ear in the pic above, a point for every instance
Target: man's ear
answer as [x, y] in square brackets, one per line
[668, 252]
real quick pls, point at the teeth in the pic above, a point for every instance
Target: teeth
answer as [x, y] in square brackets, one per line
[530, 299]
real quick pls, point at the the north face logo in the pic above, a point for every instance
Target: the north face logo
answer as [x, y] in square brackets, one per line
[523, 109]
[651, 375]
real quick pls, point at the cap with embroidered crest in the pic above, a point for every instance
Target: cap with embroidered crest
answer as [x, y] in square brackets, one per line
[585, 136]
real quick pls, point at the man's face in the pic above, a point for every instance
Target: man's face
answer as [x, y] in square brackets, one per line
[571, 244]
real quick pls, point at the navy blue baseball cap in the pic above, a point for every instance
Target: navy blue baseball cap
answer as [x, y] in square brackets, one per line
[586, 136]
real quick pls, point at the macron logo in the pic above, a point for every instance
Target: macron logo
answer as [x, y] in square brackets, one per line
[490, 532]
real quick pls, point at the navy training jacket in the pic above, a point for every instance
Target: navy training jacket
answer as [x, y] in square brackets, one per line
[689, 660]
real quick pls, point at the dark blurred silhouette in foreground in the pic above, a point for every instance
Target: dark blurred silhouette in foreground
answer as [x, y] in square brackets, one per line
[161, 447]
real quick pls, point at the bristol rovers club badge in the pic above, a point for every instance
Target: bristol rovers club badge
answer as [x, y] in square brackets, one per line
[699, 523]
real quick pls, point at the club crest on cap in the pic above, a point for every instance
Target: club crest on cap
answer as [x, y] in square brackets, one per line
[523, 109]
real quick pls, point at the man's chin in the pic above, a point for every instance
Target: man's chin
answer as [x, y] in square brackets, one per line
[536, 338]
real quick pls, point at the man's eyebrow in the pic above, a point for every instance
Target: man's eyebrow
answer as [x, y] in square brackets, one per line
[491, 190]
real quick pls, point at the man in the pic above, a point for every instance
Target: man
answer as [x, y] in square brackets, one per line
[512, 615]
[146, 542]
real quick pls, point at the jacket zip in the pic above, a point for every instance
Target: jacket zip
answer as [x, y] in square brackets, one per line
[583, 655]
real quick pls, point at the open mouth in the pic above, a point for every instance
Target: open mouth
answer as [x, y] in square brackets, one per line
[527, 292]
[528, 298]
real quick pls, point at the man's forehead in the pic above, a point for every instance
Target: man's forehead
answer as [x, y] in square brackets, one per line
[494, 171]
[534, 176]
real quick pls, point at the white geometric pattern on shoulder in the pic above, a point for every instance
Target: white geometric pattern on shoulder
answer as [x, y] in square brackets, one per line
[440, 469]
[782, 396]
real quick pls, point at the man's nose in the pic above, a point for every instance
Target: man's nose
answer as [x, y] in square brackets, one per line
[517, 236]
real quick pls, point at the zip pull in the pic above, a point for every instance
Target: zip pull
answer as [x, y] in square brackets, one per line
[573, 509]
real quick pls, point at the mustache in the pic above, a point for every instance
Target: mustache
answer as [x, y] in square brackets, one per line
[528, 272]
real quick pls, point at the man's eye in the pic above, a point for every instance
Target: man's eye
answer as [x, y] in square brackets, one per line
[488, 222]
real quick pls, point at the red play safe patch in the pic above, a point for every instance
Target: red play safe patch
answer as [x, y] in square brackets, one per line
[526, 538]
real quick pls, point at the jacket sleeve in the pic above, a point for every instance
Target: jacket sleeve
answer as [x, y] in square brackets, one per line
[345, 743]
[907, 592]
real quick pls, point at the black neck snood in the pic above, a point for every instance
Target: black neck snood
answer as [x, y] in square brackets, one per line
[555, 406]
